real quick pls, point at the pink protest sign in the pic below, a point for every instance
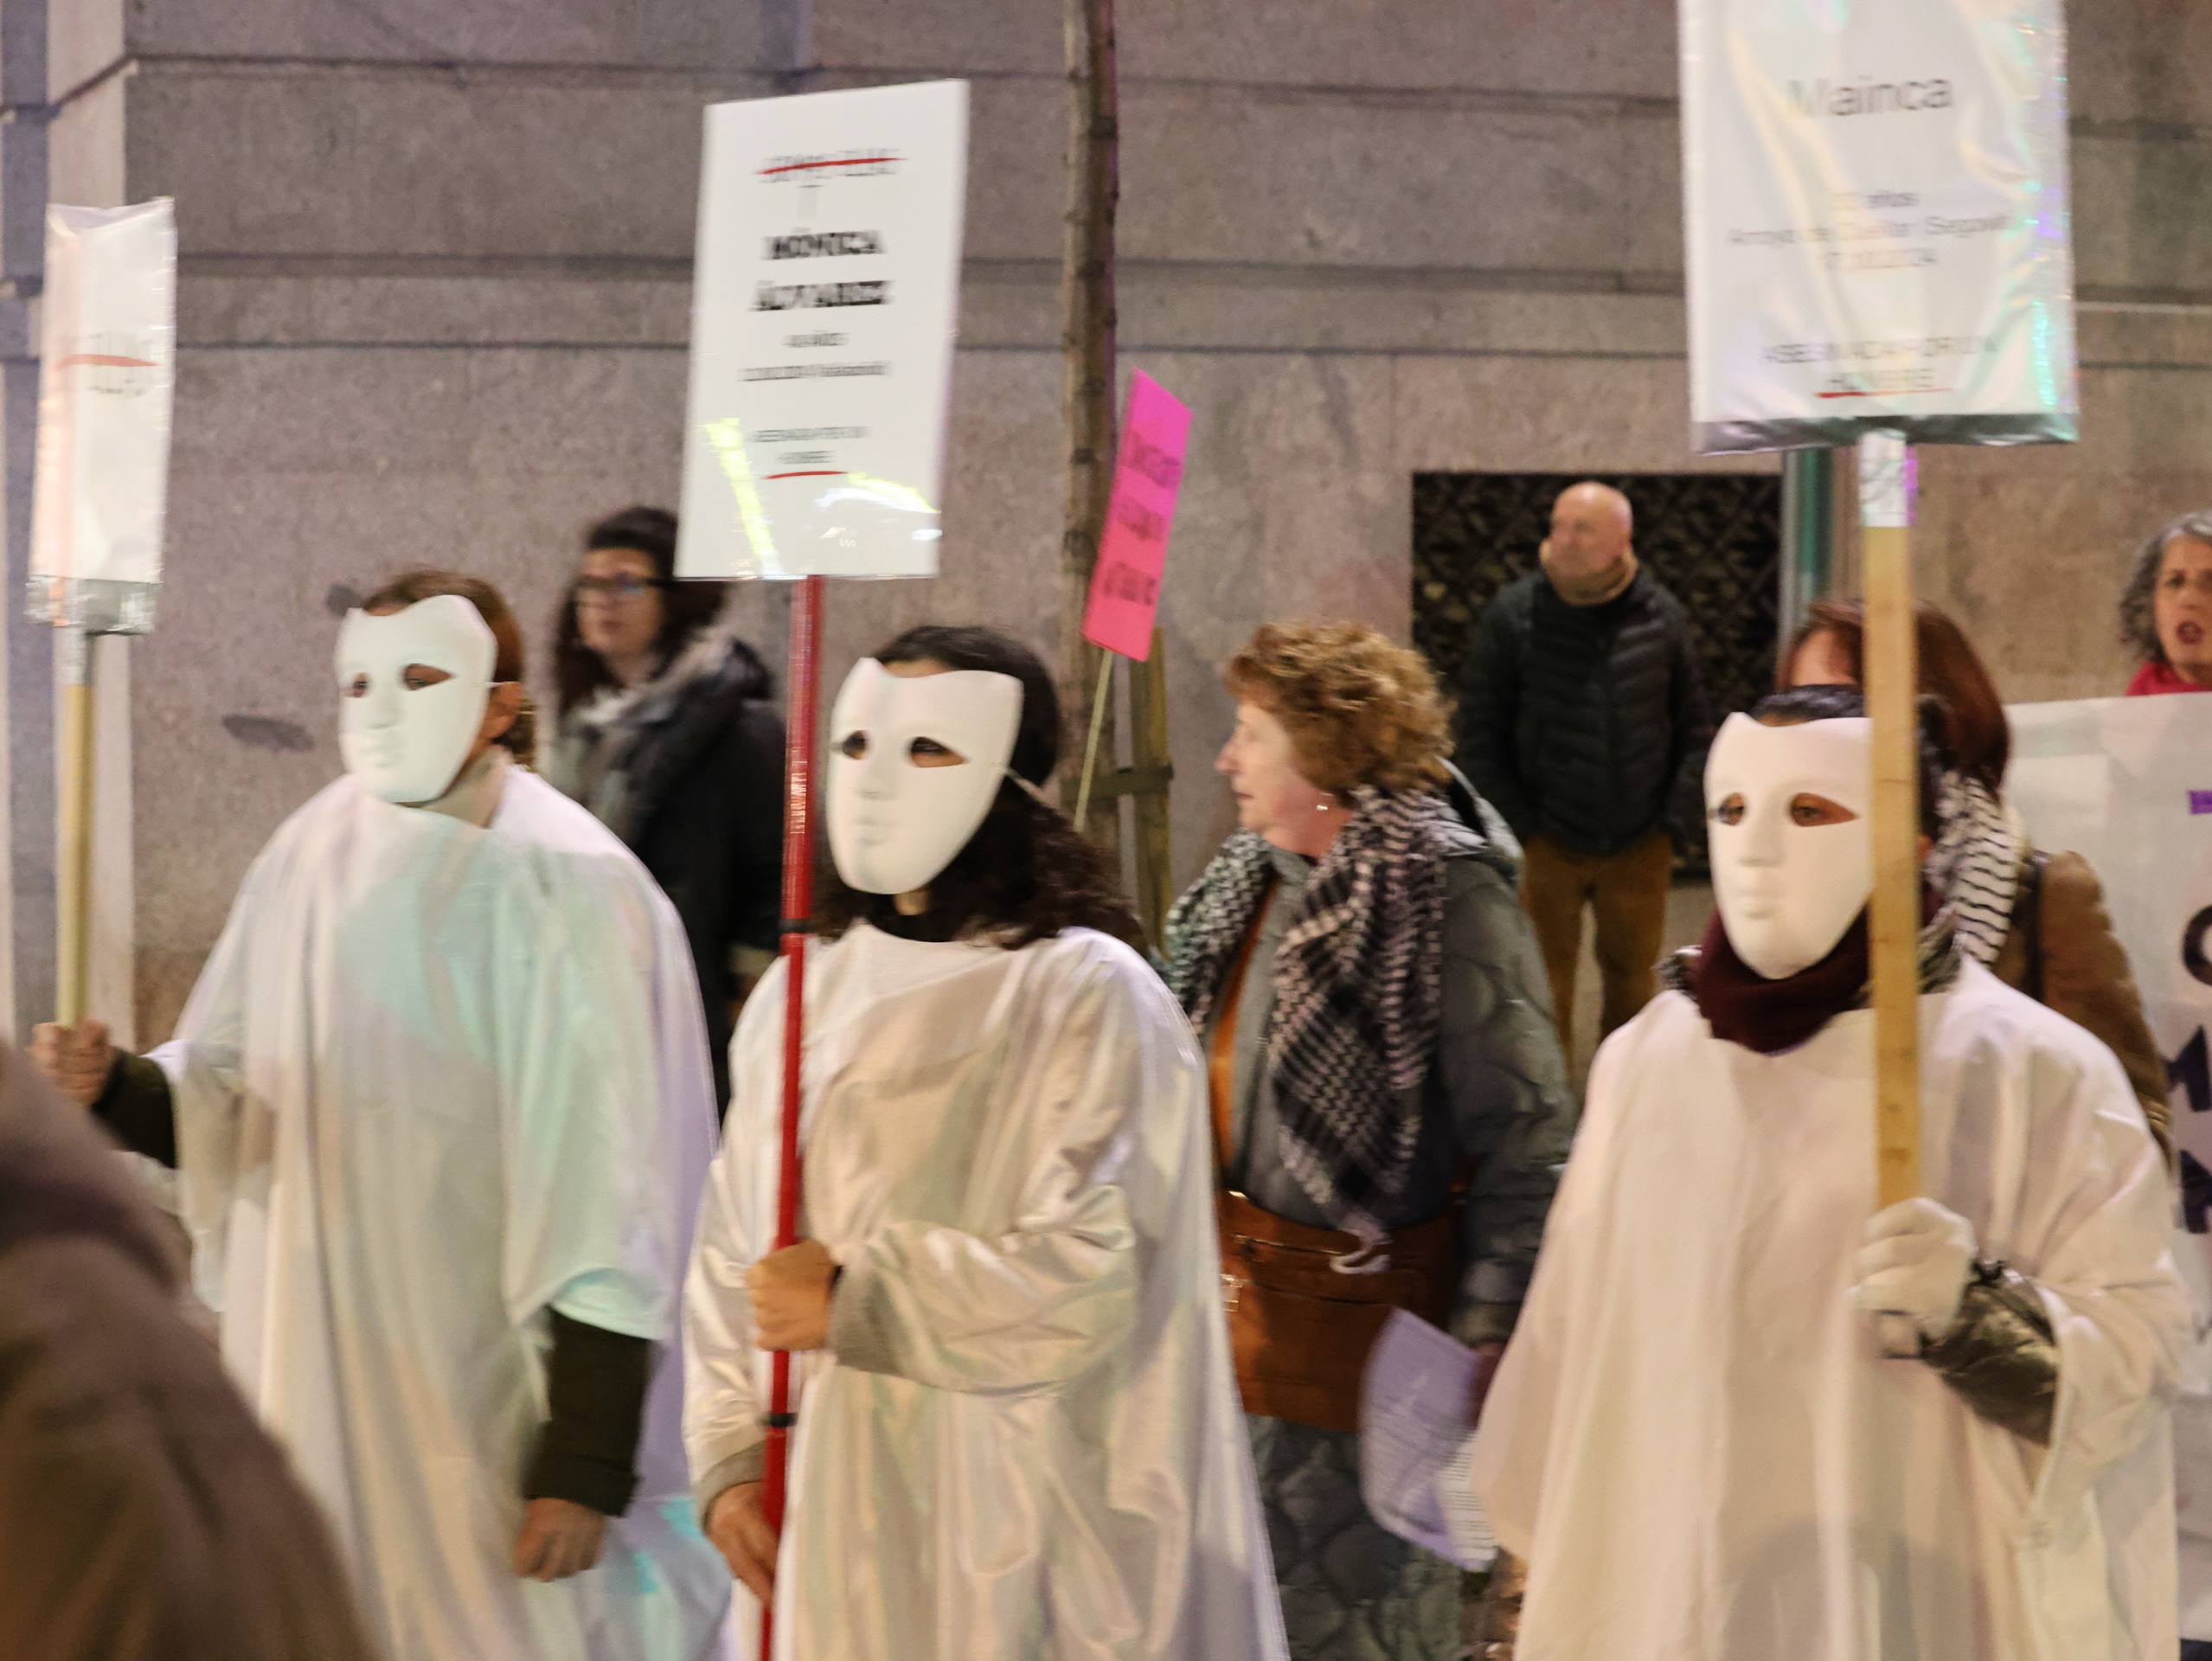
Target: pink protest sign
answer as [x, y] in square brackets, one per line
[1125, 587]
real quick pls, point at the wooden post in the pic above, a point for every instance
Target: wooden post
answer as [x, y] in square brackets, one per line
[1087, 346]
[1148, 743]
[73, 923]
[1892, 678]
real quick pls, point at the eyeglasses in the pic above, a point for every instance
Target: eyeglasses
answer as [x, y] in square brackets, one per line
[625, 586]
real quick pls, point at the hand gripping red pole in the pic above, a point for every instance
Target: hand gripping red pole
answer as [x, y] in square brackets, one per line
[798, 915]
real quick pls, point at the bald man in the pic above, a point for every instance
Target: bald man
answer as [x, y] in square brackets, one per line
[1582, 721]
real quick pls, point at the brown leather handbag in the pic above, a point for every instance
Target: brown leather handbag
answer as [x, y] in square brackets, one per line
[1300, 1327]
[1306, 1304]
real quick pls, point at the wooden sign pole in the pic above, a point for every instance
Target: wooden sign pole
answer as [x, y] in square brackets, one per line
[1892, 676]
[73, 965]
[1892, 684]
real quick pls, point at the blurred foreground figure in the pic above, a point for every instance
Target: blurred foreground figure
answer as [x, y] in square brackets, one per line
[144, 1515]
[1695, 1440]
[441, 1110]
[1018, 1438]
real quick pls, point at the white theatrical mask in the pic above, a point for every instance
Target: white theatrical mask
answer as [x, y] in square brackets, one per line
[893, 824]
[407, 744]
[1788, 892]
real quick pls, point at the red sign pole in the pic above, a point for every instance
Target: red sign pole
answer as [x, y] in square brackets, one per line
[798, 924]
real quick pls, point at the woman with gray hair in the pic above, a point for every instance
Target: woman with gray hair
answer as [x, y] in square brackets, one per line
[2166, 612]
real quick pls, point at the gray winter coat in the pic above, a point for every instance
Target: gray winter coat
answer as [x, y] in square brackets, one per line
[1496, 1099]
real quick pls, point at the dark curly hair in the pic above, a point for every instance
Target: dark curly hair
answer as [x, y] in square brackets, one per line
[1805, 703]
[1027, 873]
[2138, 615]
[687, 608]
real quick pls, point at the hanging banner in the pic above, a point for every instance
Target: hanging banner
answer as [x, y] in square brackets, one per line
[1140, 512]
[821, 328]
[2127, 783]
[107, 375]
[1877, 224]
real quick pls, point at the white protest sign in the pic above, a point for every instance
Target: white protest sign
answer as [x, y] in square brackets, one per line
[822, 330]
[106, 379]
[1877, 222]
[2127, 783]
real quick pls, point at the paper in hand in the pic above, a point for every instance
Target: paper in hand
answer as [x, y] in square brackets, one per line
[1417, 1441]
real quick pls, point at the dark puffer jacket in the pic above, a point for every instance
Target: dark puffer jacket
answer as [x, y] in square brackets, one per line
[1585, 723]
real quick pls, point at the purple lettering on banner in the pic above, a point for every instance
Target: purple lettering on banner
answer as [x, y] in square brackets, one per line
[2200, 801]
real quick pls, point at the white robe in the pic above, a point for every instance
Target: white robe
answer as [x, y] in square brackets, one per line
[434, 1082]
[1023, 1442]
[1693, 1441]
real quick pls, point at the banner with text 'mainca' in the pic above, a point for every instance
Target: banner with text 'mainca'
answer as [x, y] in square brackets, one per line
[822, 329]
[1876, 218]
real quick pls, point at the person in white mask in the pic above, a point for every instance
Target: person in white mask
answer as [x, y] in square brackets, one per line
[442, 1113]
[1695, 1440]
[1018, 1438]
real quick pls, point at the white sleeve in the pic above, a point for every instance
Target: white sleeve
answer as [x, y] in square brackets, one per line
[1042, 1303]
[1513, 1439]
[587, 1230]
[204, 1063]
[2108, 1281]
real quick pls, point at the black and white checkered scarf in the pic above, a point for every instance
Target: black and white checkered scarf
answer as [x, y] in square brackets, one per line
[1975, 864]
[1354, 1022]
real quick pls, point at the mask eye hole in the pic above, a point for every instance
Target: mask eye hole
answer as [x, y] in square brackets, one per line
[1811, 812]
[418, 677]
[855, 746]
[928, 753]
[357, 687]
[1729, 812]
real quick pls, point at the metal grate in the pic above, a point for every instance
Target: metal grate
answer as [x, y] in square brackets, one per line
[1713, 539]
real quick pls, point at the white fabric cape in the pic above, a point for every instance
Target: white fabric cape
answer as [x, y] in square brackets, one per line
[435, 1081]
[1023, 1441]
[1692, 1439]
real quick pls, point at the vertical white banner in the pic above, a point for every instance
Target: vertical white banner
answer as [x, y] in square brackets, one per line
[823, 316]
[106, 379]
[1876, 222]
[2128, 783]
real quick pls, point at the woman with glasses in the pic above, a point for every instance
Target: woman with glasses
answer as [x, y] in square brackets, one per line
[666, 733]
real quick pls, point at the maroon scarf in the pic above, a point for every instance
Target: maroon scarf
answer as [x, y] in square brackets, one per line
[1743, 1007]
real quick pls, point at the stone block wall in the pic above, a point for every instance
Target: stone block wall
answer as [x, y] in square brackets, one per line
[434, 299]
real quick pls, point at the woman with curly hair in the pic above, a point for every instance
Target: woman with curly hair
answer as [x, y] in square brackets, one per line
[1019, 1437]
[1390, 1105]
[2165, 612]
